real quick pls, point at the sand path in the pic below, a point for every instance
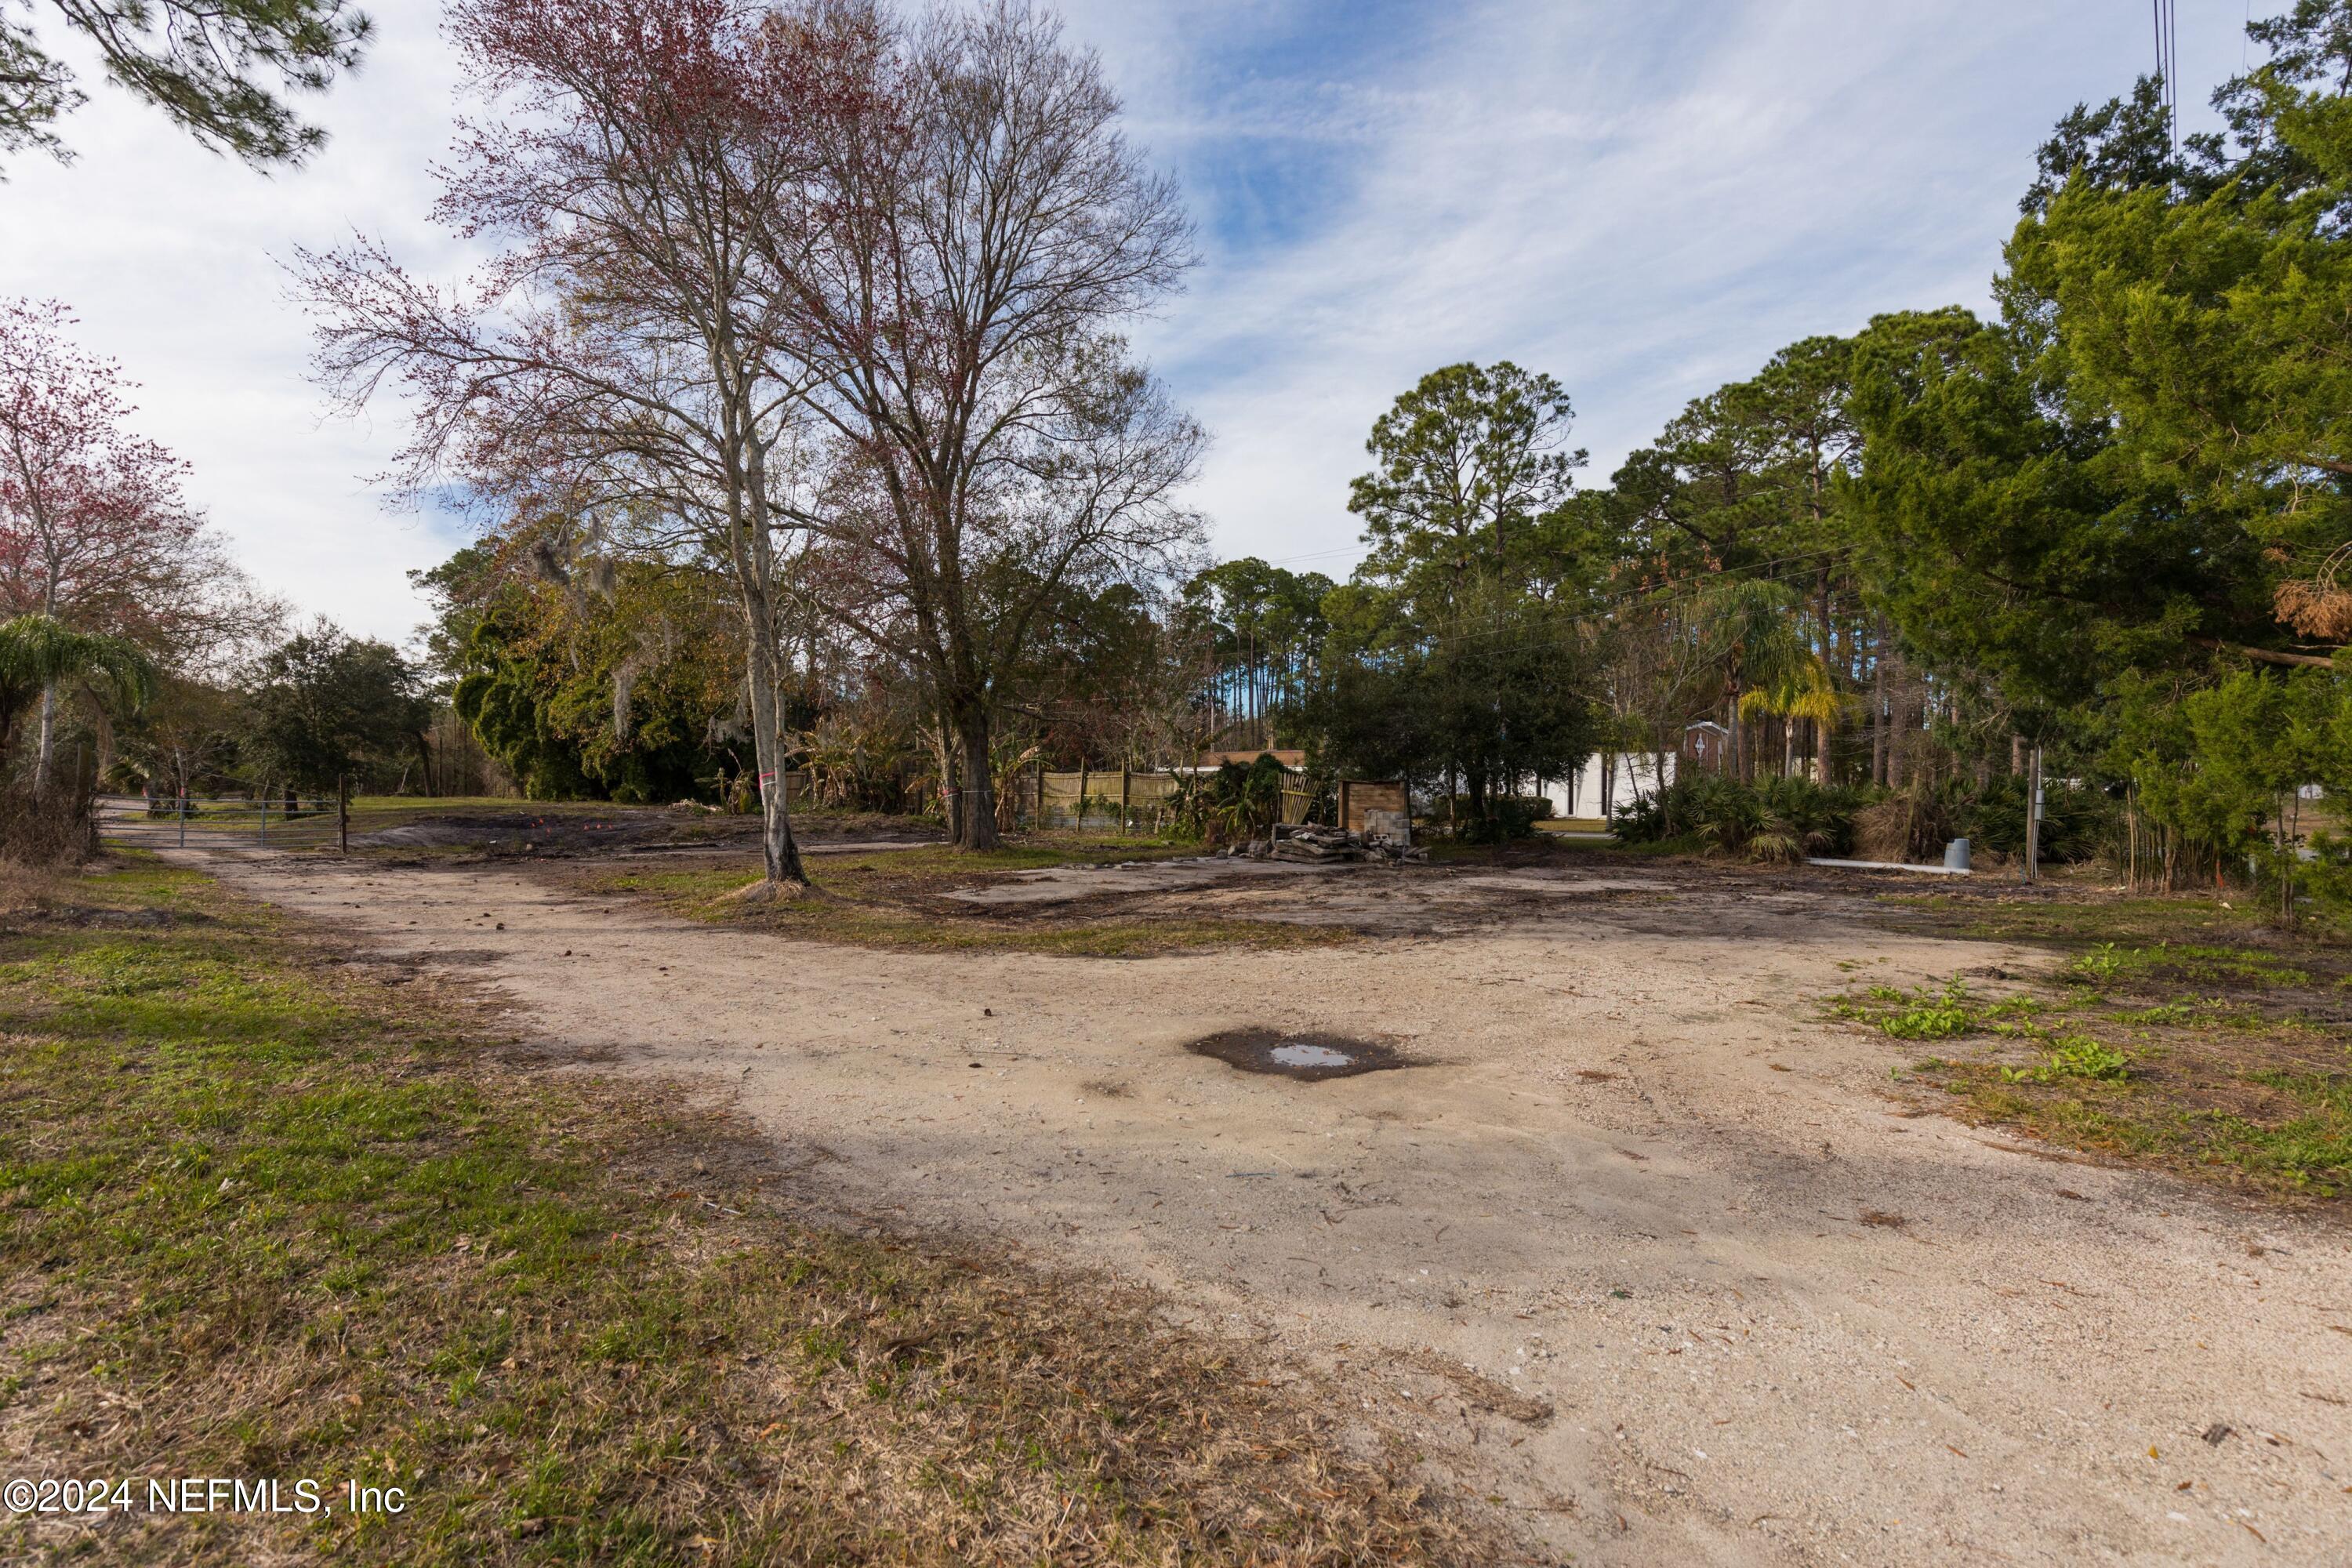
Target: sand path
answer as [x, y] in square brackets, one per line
[1629, 1177]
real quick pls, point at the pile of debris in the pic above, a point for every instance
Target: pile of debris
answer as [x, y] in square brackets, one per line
[1310, 844]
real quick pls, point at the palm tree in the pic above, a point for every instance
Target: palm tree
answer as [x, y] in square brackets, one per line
[1804, 692]
[1750, 626]
[41, 655]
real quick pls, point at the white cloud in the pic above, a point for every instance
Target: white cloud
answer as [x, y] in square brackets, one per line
[164, 252]
[1646, 199]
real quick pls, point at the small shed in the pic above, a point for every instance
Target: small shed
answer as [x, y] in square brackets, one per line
[1708, 745]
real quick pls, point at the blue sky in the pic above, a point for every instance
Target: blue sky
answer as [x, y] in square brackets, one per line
[1643, 199]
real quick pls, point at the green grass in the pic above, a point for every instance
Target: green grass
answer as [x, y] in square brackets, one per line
[2222, 1059]
[2070, 919]
[264, 1213]
[895, 898]
[2109, 962]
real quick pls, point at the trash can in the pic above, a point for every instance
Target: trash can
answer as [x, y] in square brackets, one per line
[1955, 855]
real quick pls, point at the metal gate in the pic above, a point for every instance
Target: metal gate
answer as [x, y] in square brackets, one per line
[307, 822]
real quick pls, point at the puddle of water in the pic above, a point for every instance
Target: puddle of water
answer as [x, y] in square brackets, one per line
[1309, 1057]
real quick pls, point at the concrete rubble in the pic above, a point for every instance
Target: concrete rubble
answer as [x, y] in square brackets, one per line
[1311, 844]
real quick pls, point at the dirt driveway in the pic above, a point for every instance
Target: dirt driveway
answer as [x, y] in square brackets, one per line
[1778, 1317]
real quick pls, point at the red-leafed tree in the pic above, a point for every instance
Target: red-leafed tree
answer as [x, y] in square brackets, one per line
[616, 364]
[94, 533]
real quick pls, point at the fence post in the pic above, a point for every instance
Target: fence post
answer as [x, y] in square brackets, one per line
[1125, 796]
[2033, 868]
[183, 816]
[1343, 805]
[342, 814]
[1082, 795]
[265, 814]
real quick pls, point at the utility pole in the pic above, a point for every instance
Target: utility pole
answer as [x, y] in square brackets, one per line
[2033, 818]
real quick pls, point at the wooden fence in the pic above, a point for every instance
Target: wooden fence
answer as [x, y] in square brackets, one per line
[1099, 797]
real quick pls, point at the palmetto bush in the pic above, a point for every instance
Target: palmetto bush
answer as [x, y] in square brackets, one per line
[1777, 819]
[1802, 818]
[1234, 804]
[1725, 813]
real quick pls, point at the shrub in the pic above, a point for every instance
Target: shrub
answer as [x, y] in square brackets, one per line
[1776, 819]
[1800, 817]
[1913, 823]
[1508, 816]
[55, 829]
[1643, 819]
[2077, 823]
[1235, 803]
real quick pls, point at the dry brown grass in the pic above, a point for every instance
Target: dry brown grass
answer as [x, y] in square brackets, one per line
[896, 899]
[268, 1210]
[26, 890]
[53, 831]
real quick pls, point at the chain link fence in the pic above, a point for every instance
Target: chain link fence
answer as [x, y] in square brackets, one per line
[279, 822]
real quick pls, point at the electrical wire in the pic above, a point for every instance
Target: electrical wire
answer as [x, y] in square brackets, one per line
[2168, 63]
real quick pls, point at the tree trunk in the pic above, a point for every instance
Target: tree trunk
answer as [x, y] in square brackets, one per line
[780, 856]
[976, 823]
[43, 755]
[1730, 767]
[1878, 714]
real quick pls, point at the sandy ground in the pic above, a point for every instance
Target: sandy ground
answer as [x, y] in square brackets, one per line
[1628, 1176]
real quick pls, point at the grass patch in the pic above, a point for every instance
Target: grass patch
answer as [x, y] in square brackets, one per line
[896, 898]
[2224, 1056]
[2004, 914]
[2110, 963]
[264, 1213]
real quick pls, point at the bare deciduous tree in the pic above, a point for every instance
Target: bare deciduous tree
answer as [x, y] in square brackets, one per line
[988, 228]
[622, 359]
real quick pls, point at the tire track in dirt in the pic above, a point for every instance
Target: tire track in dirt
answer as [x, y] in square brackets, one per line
[1631, 1183]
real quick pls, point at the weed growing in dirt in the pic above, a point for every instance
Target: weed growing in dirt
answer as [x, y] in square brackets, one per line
[2224, 1060]
[2073, 1055]
[2108, 962]
[1925, 1013]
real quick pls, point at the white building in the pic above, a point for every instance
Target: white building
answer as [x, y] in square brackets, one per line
[1631, 775]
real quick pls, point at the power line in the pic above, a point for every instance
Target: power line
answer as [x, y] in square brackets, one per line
[2168, 63]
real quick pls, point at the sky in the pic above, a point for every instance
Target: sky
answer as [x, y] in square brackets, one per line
[1645, 200]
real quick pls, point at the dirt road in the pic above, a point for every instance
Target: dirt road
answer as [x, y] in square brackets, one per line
[1628, 1175]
